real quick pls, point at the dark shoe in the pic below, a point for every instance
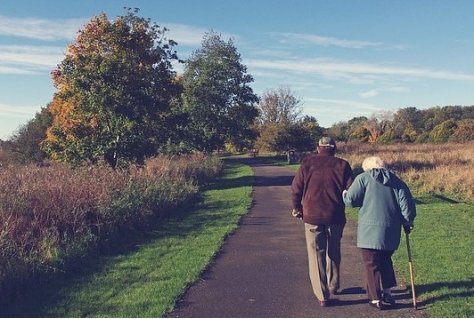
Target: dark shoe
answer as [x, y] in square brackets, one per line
[377, 305]
[387, 298]
[333, 291]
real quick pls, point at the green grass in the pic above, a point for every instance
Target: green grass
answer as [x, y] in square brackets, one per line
[147, 280]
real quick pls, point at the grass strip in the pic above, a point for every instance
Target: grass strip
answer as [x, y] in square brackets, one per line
[148, 280]
[441, 246]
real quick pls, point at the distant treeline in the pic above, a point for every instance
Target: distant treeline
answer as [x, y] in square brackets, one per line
[410, 125]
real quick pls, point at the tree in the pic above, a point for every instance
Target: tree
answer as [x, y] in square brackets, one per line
[279, 106]
[378, 123]
[280, 122]
[300, 136]
[408, 123]
[468, 112]
[355, 124]
[24, 144]
[306, 134]
[217, 98]
[442, 132]
[387, 137]
[409, 134]
[339, 130]
[361, 134]
[114, 86]
[464, 131]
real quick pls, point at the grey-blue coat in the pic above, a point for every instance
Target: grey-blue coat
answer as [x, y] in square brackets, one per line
[386, 203]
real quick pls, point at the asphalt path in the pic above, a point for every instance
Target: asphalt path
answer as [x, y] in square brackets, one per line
[262, 271]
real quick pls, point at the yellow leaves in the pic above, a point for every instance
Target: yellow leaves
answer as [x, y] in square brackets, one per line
[72, 49]
[63, 110]
[177, 79]
[50, 135]
[94, 122]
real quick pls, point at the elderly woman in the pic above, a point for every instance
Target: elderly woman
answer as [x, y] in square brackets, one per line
[386, 204]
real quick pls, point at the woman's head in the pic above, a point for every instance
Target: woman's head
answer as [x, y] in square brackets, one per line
[372, 162]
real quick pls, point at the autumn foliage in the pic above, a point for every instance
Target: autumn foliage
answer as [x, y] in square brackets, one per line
[115, 87]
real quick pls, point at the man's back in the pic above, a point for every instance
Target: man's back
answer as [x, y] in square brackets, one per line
[318, 185]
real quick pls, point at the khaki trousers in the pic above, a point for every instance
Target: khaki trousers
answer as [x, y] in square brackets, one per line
[323, 243]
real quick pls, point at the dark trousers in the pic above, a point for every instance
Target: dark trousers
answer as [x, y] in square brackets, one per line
[379, 271]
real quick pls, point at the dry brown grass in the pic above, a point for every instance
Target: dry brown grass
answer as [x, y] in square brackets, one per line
[443, 169]
[52, 213]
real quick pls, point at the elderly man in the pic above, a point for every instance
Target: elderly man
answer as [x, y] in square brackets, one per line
[317, 198]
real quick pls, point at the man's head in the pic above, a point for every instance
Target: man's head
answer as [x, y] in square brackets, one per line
[326, 145]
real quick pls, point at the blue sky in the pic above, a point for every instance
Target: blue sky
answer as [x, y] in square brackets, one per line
[342, 58]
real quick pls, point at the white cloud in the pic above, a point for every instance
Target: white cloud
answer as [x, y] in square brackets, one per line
[354, 71]
[18, 59]
[324, 41]
[341, 103]
[18, 111]
[369, 94]
[375, 92]
[40, 29]
[396, 89]
[15, 70]
[330, 111]
[187, 35]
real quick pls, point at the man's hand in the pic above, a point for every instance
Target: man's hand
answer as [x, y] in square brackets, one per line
[297, 214]
[408, 228]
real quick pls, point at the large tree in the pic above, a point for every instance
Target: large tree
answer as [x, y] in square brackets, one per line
[408, 124]
[280, 106]
[281, 125]
[114, 86]
[217, 98]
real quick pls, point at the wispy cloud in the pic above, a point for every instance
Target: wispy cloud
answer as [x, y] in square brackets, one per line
[324, 41]
[187, 35]
[327, 111]
[375, 92]
[353, 71]
[331, 103]
[18, 59]
[369, 94]
[18, 111]
[41, 29]
[66, 29]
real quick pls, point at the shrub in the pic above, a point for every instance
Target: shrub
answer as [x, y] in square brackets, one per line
[50, 214]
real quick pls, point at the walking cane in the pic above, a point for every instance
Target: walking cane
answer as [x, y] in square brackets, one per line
[410, 265]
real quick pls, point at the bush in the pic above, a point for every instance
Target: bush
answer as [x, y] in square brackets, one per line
[50, 214]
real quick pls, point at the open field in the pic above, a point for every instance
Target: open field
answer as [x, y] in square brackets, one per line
[441, 169]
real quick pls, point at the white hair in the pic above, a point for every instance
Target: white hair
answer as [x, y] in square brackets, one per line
[372, 162]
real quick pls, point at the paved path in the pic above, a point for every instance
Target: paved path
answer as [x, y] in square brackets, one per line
[262, 271]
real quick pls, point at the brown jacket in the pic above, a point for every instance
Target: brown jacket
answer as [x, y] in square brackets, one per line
[317, 188]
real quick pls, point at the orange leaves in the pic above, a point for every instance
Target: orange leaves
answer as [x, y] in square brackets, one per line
[108, 87]
[63, 110]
